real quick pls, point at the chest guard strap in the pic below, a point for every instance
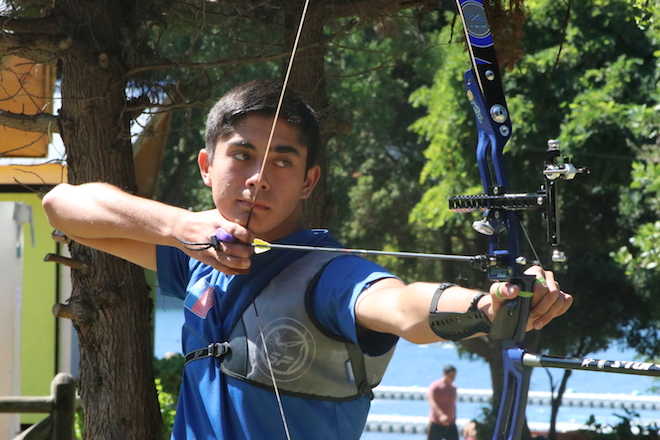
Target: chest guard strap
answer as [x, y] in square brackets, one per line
[215, 350]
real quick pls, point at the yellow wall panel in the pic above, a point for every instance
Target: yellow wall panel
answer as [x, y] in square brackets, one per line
[25, 87]
[41, 174]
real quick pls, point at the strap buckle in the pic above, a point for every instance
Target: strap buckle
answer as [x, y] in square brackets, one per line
[218, 349]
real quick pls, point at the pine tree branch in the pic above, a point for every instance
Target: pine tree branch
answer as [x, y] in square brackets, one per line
[161, 108]
[42, 48]
[372, 8]
[40, 123]
[224, 62]
[42, 25]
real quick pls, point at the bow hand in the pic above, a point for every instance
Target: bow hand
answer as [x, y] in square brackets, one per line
[547, 302]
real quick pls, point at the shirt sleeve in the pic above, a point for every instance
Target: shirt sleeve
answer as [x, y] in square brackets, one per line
[340, 285]
[173, 270]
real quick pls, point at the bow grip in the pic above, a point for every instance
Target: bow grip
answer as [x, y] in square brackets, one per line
[511, 320]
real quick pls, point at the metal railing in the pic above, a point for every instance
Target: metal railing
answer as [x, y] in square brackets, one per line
[410, 424]
[60, 405]
[569, 399]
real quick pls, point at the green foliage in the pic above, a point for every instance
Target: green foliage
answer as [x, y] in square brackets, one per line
[646, 242]
[449, 129]
[629, 427]
[374, 166]
[601, 104]
[78, 424]
[626, 429]
[168, 371]
[167, 404]
[167, 382]
[640, 257]
[603, 91]
[486, 423]
[597, 92]
[642, 201]
[230, 45]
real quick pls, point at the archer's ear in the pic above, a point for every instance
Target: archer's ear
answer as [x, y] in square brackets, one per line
[312, 177]
[204, 162]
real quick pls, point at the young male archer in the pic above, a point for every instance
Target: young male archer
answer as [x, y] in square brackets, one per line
[282, 344]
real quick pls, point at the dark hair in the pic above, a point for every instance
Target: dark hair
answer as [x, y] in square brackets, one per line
[448, 369]
[262, 97]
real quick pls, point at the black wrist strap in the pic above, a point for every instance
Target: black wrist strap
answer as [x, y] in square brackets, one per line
[438, 293]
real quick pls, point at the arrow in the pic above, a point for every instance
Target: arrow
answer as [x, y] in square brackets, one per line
[263, 246]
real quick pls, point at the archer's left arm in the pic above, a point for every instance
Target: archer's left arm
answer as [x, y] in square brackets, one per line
[391, 306]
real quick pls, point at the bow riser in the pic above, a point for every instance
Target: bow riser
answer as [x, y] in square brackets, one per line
[504, 254]
[484, 90]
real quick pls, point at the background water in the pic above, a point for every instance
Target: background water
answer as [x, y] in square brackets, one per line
[420, 365]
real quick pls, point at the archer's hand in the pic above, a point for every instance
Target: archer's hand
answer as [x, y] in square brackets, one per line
[198, 227]
[548, 301]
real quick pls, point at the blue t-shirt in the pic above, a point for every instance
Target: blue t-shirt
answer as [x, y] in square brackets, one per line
[215, 406]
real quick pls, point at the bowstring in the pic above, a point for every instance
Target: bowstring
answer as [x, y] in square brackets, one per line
[277, 112]
[254, 199]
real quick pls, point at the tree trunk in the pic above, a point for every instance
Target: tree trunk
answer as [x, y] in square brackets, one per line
[110, 300]
[308, 78]
[556, 404]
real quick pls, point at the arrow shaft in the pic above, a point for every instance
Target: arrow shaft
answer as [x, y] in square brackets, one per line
[461, 258]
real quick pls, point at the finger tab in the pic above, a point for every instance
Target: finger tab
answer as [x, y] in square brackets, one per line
[224, 236]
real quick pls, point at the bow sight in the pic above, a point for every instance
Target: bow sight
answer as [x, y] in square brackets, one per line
[497, 200]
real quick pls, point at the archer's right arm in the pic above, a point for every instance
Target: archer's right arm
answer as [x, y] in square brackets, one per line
[104, 217]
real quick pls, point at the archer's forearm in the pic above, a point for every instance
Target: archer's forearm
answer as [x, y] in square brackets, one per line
[390, 306]
[100, 211]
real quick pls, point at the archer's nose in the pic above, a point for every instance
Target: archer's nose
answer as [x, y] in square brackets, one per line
[258, 180]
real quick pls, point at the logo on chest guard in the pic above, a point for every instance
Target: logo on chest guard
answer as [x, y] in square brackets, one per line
[291, 349]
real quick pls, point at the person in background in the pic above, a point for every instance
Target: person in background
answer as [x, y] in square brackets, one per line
[470, 430]
[442, 399]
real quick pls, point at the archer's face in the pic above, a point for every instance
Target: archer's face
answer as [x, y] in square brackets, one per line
[233, 175]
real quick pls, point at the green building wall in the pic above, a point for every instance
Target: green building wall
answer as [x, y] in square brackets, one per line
[38, 329]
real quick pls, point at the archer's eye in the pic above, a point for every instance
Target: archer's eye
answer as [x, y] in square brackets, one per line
[283, 163]
[241, 155]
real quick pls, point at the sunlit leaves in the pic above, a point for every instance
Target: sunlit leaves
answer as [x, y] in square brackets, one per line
[449, 131]
[641, 256]
[589, 78]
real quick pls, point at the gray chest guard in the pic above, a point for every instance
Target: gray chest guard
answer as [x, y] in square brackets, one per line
[454, 326]
[305, 361]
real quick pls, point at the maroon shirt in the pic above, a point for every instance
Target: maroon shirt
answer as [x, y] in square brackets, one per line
[442, 399]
